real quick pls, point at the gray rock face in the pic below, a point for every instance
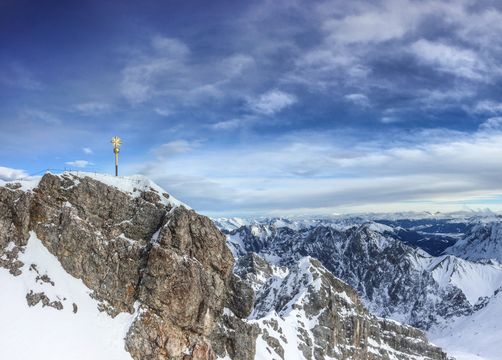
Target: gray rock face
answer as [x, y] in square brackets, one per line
[129, 249]
[330, 320]
[393, 278]
[140, 252]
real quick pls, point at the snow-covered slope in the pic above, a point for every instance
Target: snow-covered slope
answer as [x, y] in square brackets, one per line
[134, 185]
[475, 280]
[304, 312]
[473, 337]
[482, 242]
[394, 279]
[79, 331]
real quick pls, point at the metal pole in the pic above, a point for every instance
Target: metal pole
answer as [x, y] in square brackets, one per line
[116, 163]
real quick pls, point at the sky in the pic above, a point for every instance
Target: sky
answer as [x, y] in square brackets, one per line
[261, 108]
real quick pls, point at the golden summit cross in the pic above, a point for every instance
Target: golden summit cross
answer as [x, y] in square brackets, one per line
[116, 141]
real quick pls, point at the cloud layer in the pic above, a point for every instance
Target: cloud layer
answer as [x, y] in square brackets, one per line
[267, 106]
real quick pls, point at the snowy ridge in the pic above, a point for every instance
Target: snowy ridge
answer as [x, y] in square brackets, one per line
[133, 185]
[282, 321]
[474, 337]
[307, 313]
[476, 280]
[395, 280]
[26, 184]
[483, 242]
[345, 220]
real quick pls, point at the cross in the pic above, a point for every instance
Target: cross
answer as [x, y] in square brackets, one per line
[116, 141]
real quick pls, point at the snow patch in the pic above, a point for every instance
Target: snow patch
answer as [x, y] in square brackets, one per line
[48, 334]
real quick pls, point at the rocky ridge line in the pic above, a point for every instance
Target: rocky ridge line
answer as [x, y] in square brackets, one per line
[140, 251]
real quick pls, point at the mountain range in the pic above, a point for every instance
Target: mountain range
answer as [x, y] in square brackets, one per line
[101, 267]
[437, 272]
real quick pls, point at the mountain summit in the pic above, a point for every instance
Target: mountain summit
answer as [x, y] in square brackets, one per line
[99, 267]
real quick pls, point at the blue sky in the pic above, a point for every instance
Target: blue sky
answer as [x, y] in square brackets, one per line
[262, 107]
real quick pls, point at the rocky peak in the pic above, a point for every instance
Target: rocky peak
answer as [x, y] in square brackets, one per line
[130, 243]
[482, 243]
[393, 278]
[312, 311]
[140, 251]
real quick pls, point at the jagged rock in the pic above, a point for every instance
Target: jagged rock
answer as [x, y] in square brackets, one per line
[234, 338]
[330, 320]
[127, 248]
[253, 269]
[393, 278]
[14, 216]
[33, 299]
[241, 299]
[140, 251]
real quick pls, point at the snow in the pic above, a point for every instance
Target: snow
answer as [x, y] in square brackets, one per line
[10, 246]
[483, 242]
[45, 333]
[291, 316]
[476, 280]
[27, 184]
[380, 228]
[473, 337]
[230, 223]
[134, 185]
[236, 245]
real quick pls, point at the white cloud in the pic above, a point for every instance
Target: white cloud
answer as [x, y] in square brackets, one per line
[9, 174]
[488, 107]
[271, 102]
[35, 114]
[139, 80]
[79, 163]
[492, 124]
[87, 151]
[170, 47]
[175, 147]
[228, 124]
[389, 119]
[168, 70]
[368, 27]
[92, 108]
[18, 76]
[237, 64]
[163, 111]
[435, 169]
[451, 59]
[358, 99]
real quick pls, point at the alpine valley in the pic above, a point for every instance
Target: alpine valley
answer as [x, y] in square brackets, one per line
[100, 267]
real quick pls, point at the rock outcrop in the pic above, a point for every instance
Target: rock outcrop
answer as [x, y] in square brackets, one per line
[393, 278]
[129, 248]
[311, 311]
[140, 251]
